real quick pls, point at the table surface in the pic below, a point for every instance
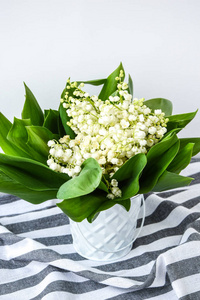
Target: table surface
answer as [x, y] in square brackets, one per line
[38, 261]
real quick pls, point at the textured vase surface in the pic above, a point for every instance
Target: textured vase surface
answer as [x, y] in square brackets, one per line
[111, 235]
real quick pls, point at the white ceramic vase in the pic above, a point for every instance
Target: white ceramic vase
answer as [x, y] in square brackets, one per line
[111, 235]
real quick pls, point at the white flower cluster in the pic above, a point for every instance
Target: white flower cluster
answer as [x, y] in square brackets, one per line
[110, 131]
[115, 191]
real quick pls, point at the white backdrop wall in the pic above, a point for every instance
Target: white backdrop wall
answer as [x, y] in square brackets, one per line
[43, 42]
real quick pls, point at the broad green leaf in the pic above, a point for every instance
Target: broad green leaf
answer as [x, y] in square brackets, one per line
[64, 118]
[19, 136]
[79, 208]
[127, 170]
[7, 146]
[63, 114]
[125, 203]
[160, 103]
[51, 120]
[86, 182]
[38, 138]
[110, 85]
[180, 121]
[10, 186]
[195, 141]
[128, 175]
[130, 84]
[170, 180]
[61, 130]
[106, 205]
[182, 159]
[30, 173]
[170, 133]
[31, 109]
[102, 186]
[158, 159]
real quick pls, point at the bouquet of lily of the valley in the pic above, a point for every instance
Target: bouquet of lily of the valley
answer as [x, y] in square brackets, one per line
[94, 151]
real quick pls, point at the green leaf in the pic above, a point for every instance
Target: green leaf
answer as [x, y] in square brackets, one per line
[79, 208]
[30, 173]
[86, 182]
[125, 203]
[160, 103]
[106, 205]
[182, 159]
[31, 109]
[28, 141]
[170, 133]
[10, 186]
[169, 181]
[61, 130]
[130, 84]
[7, 146]
[64, 118]
[195, 141]
[18, 134]
[38, 138]
[128, 175]
[63, 113]
[51, 120]
[180, 121]
[158, 159]
[102, 186]
[110, 85]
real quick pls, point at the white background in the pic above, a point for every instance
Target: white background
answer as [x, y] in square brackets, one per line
[43, 42]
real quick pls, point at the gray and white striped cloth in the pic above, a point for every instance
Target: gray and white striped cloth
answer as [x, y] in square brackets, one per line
[38, 261]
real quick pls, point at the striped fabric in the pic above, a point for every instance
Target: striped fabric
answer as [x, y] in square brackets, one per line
[38, 261]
